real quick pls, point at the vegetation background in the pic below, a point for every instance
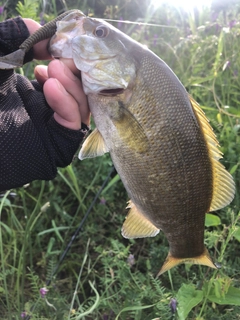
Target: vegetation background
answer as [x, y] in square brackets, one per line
[105, 276]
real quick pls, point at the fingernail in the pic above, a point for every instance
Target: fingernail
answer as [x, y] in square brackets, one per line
[42, 71]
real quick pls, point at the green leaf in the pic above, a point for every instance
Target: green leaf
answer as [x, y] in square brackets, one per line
[93, 307]
[134, 308]
[188, 297]
[232, 297]
[8, 230]
[234, 111]
[234, 168]
[236, 234]
[5, 202]
[111, 183]
[212, 220]
[219, 118]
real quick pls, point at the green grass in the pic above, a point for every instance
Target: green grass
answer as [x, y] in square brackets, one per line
[99, 278]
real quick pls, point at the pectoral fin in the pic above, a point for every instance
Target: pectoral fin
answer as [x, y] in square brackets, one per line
[129, 129]
[203, 259]
[223, 184]
[93, 146]
[136, 225]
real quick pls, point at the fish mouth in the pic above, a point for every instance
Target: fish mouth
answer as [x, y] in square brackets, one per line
[111, 92]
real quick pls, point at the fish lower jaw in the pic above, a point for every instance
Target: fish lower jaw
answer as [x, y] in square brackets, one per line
[111, 86]
[100, 89]
[103, 91]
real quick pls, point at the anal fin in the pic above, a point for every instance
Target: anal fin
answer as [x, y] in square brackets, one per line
[203, 259]
[137, 225]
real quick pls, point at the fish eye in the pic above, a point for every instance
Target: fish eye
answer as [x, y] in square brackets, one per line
[101, 31]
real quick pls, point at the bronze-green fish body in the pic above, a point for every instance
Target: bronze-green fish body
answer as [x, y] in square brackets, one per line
[166, 171]
[159, 138]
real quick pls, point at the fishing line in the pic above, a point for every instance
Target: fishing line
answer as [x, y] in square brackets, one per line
[142, 23]
[48, 282]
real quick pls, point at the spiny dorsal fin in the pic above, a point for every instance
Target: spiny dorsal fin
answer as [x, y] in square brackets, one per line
[223, 184]
[93, 146]
[136, 225]
[203, 259]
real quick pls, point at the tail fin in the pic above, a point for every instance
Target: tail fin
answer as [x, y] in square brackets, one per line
[203, 259]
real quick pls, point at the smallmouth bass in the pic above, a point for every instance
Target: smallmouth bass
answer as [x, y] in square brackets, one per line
[158, 137]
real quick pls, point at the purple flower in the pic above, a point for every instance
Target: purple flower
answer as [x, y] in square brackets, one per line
[218, 27]
[1, 10]
[43, 291]
[120, 22]
[108, 317]
[173, 305]
[214, 16]
[131, 260]
[103, 201]
[155, 40]
[146, 37]
[42, 21]
[23, 314]
[232, 23]
[105, 316]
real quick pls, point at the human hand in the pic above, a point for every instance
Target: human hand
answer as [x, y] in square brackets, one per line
[62, 88]
[64, 94]
[37, 136]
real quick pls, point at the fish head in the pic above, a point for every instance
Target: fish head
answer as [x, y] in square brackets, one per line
[67, 29]
[99, 50]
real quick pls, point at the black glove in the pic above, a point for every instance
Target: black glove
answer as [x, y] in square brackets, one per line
[32, 143]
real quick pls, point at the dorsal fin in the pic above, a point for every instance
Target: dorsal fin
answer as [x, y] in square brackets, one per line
[137, 225]
[223, 184]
